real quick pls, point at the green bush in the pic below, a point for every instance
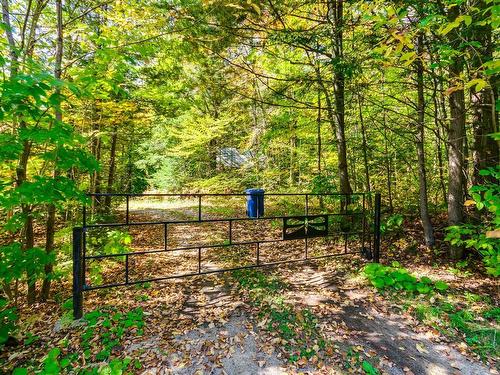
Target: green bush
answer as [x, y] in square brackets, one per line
[486, 198]
[104, 331]
[396, 277]
[393, 223]
[8, 318]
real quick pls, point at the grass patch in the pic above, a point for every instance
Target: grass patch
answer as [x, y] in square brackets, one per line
[478, 329]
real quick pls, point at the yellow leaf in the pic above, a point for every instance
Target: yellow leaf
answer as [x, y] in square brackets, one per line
[449, 27]
[469, 202]
[481, 85]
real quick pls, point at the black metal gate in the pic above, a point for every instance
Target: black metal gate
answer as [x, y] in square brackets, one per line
[306, 227]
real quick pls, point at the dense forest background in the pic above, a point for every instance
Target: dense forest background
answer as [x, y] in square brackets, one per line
[396, 97]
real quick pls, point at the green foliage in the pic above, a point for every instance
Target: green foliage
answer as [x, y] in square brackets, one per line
[16, 263]
[8, 320]
[322, 184]
[397, 278]
[393, 223]
[106, 242]
[485, 197]
[110, 327]
[103, 332]
[39, 150]
[452, 320]
[369, 369]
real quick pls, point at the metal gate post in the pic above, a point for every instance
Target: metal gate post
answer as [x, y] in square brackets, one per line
[77, 273]
[376, 229]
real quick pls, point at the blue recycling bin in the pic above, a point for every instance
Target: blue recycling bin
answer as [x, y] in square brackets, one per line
[255, 202]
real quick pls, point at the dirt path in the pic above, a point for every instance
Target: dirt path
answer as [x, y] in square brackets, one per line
[228, 340]
[373, 327]
[221, 334]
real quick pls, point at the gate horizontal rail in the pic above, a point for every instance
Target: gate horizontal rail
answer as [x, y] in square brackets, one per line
[300, 231]
[136, 223]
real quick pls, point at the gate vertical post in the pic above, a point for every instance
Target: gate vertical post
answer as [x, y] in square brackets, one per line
[77, 273]
[376, 229]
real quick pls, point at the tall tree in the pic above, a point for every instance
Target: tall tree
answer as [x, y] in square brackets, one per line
[422, 174]
[456, 130]
[51, 211]
[336, 20]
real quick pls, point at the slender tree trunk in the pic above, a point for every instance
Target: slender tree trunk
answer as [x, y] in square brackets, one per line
[51, 211]
[364, 147]
[485, 148]
[318, 133]
[96, 151]
[465, 157]
[388, 169]
[456, 137]
[13, 51]
[112, 167]
[439, 152]
[27, 233]
[422, 177]
[439, 148]
[294, 175]
[336, 17]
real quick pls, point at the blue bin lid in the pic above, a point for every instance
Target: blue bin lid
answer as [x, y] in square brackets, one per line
[254, 191]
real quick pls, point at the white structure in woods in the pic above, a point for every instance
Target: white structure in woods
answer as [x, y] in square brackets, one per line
[230, 157]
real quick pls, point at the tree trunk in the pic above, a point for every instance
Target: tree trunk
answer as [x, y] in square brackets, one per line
[439, 151]
[336, 17]
[27, 233]
[388, 170]
[364, 147]
[96, 146]
[111, 172]
[294, 173]
[485, 148]
[318, 133]
[456, 136]
[422, 178]
[13, 51]
[51, 211]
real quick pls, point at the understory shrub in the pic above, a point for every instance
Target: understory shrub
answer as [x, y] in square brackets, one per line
[395, 277]
[96, 352]
[477, 237]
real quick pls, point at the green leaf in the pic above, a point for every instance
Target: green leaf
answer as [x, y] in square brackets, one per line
[368, 368]
[378, 282]
[423, 288]
[426, 280]
[441, 285]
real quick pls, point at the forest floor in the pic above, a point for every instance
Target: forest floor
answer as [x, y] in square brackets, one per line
[319, 317]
